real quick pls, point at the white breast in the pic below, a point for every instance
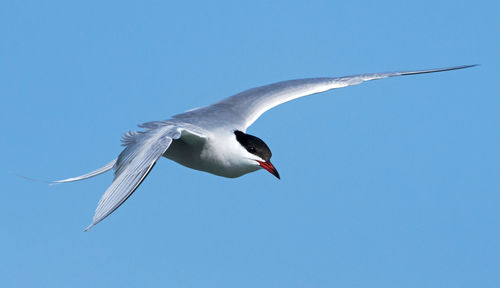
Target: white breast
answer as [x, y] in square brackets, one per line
[221, 155]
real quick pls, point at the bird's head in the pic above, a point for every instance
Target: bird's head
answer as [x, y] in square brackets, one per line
[258, 152]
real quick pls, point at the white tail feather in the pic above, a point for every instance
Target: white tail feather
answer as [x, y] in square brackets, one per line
[101, 170]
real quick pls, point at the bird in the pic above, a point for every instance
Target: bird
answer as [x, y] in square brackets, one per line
[212, 138]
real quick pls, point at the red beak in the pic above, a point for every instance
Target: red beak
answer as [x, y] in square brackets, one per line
[269, 167]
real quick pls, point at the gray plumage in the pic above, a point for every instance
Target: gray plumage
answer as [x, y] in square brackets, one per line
[203, 138]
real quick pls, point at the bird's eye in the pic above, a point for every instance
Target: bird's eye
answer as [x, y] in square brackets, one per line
[251, 149]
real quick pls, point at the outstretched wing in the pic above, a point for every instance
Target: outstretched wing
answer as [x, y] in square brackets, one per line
[133, 165]
[250, 104]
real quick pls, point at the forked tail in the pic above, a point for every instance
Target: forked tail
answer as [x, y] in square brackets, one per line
[101, 170]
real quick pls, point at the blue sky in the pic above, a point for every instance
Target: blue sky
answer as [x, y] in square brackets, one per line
[393, 183]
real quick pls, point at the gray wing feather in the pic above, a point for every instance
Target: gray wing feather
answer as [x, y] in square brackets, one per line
[248, 105]
[133, 165]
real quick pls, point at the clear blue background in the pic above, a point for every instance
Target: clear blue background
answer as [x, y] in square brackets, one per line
[393, 183]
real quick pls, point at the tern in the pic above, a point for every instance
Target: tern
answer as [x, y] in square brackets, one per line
[212, 138]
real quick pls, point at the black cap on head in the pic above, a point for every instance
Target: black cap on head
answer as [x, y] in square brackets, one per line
[253, 145]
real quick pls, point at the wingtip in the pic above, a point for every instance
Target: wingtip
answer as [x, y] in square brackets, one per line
[468, 66]
[89, 227]
[460, 67]
[428, 71]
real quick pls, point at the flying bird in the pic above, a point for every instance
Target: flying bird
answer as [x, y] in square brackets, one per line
[212, 138]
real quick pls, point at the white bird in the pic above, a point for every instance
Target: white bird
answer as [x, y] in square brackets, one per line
[212, 138]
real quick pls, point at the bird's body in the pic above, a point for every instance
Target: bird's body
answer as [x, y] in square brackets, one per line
[214, 153]
[212, 138]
